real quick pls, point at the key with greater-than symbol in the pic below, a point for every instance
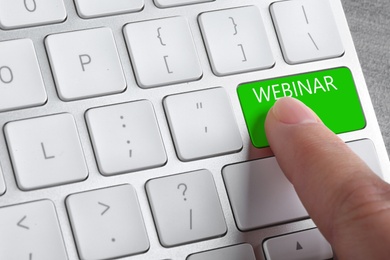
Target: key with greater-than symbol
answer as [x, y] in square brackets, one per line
[107, 223]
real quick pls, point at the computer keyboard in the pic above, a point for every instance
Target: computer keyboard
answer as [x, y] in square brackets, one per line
[134, 129]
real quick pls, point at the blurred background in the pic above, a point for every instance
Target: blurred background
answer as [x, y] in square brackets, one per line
[369, 22]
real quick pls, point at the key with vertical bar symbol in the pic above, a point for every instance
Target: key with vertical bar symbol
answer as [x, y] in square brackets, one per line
[197, 213]
[306, 30]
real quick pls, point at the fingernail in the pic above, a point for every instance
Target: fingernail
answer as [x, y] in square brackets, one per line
[292, 111]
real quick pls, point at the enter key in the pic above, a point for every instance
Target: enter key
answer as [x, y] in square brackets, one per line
[331, 94]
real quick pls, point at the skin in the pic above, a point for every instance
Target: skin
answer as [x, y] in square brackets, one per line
[349, 203]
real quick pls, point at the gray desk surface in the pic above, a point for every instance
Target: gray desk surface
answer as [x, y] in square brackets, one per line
[369, 22]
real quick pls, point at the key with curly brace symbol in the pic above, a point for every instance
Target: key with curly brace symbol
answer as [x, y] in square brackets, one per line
[159, 36]
[235, 25]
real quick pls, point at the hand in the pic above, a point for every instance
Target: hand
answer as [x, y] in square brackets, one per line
[349, 204]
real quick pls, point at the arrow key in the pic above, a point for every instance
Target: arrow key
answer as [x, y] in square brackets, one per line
[308, 244]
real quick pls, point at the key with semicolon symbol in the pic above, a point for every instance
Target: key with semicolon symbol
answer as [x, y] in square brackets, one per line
[124, 143]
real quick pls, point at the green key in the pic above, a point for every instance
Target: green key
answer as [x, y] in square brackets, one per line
[331, 94]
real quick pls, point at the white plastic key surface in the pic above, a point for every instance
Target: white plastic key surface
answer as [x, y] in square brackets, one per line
[202, 124]
[171, 3]
[31, 231]
[126, 137]
[308, 244]
[261, 195]
[85, 63]
[242, 252]
[365, 149]
[236, 40]
[107, 223]
[307, 30]
[2, 183]
[21, 83]
[45, 151]
[89, 9]
[186, 208]
[162, 52]
[26, 13]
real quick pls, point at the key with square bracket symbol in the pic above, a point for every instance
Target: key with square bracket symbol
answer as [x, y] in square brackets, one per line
[162, 52]
[236, 40]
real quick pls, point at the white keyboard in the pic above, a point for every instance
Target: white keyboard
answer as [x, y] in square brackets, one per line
[126, 135]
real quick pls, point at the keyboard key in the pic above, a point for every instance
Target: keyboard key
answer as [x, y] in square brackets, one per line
[31, 231]
[366, 151]
[2, 183]
[88, 9]
[85, 64]
[19, 14]
[162, 52]
[242, 252]
[126, 137]
[196, 214]
[171, 3]
[107, 223]
[306, 30]
[260, 194]
[316, 89]
[236, 40]
[309, 244]
[21, 83]
[45, 151]
[212, 129]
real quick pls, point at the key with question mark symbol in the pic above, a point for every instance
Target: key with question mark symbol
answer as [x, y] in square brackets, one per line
[184, 189]
[199, 218]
